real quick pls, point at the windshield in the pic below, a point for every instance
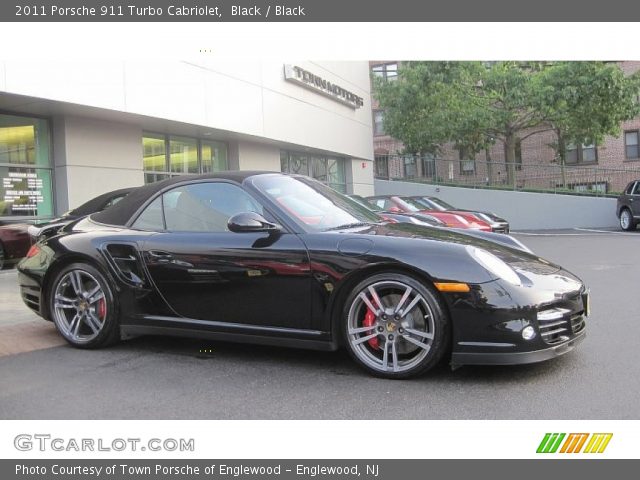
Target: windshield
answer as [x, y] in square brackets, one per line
[441, 204]
[412, 205]
[365, 204]
[427, 203]
[313, 204]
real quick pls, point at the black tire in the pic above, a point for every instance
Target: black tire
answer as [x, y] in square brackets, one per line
[627, 222]
[98, 324]
[367, 342]
[2, 259]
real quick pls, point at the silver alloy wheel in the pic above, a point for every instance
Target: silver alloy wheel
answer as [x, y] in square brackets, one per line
[400, 335]
[625, 219]
[80, 307]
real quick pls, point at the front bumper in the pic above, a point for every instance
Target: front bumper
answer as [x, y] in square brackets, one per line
[516, 358]
[489, 322]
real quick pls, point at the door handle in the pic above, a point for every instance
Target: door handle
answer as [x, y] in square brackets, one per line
[160, 256]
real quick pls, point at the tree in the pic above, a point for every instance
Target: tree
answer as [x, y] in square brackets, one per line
[467, 104]
[507, 90]
[424, 108]
[472, 104]
[585, 101]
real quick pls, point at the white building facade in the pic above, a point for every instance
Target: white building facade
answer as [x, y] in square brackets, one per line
[72, 130]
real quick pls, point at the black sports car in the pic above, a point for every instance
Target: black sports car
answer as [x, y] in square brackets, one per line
[282, 259]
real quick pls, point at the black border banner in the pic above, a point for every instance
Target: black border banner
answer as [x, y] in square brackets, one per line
[125, 469]
[319, 11]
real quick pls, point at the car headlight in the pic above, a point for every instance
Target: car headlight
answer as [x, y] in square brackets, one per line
[494, 265]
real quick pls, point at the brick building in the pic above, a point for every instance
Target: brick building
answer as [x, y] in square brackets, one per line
[603, 168]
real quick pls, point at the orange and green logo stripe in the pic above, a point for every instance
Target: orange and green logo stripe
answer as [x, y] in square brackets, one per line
[574, 443]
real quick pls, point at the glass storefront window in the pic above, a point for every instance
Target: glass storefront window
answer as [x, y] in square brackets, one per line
[214, 156]
[336, 177]
[24, 141]
[319, 169]
[165, 156]
[26, 192]
[298, 163]
[183, 156]
[154, 157]
[25, 167]
[328, 170]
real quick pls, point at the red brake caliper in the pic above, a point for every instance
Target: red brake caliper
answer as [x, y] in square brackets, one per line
[369, 320]
[102, 308]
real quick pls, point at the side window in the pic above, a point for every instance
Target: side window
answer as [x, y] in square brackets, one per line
[380, 203]
[113, 201]
[630, 188]
[151, 217]
[636, 190]
[206, 207]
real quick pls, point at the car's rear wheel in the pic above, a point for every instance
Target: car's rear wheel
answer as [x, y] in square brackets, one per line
[626, 220]
[395, 326]
[83, 308]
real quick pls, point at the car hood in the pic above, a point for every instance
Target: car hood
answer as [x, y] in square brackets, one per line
[517, 258]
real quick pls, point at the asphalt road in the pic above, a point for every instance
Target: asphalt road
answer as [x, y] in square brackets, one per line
[164, 378]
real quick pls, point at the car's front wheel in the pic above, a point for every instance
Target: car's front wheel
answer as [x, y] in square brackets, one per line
[395, 326]
[83, 308]
[626, 220]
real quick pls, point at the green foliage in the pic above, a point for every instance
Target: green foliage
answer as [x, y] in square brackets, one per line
[473, 104]
[585, 101]
[431, 97]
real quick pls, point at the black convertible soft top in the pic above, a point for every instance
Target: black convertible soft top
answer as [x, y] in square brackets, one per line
[121, 212]
[97, 204]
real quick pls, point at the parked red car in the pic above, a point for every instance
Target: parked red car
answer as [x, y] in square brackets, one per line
[498, 224]
[393, 203]
[14, 243]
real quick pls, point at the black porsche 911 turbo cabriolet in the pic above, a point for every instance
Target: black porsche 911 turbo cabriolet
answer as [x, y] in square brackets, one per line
[282, 259]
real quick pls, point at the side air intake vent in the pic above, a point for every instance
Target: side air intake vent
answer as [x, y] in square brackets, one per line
[124, 259]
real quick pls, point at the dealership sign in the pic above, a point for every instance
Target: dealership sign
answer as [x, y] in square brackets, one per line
[305, 78]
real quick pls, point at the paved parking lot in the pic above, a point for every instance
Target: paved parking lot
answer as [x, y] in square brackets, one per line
[152, 377]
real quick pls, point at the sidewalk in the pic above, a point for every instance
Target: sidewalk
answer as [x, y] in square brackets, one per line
[21, 330]
[12, 310]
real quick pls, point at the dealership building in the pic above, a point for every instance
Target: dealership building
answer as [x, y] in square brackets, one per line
[72, 130]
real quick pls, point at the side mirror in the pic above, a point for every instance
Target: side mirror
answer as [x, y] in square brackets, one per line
[251, 222]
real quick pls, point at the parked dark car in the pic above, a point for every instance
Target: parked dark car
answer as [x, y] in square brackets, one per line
[404, 217]
[498, 224]
[395, 203]
[628, 206]
[282, 259]
[97, 204]
[14, 242]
